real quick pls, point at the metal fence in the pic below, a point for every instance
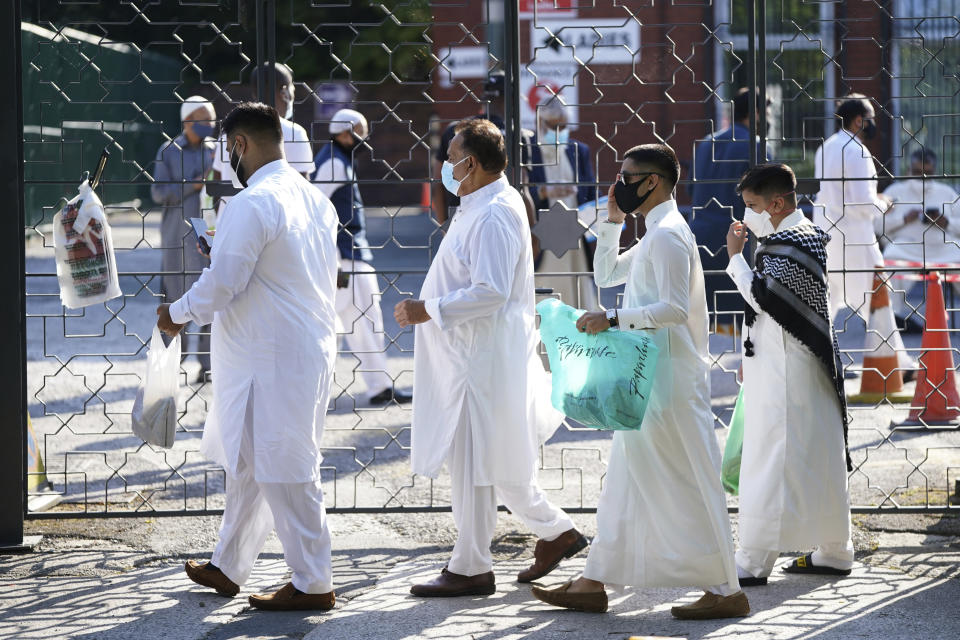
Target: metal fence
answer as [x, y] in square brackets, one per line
[112, 75]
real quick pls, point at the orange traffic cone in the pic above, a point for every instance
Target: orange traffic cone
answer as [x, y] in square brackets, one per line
[425, 200]
[882, 378]
[935, 401]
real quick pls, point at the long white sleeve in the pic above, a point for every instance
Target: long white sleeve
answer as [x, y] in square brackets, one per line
[742, 276]
[859, 184]
[241, 237]
[670, 257]
[493, 257]
[610, 267]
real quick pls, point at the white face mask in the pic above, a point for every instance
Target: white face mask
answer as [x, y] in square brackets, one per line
[758, 223]
[446, 176]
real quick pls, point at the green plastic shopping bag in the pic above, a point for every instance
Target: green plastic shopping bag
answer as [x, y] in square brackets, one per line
[602, 381]
[730, 468]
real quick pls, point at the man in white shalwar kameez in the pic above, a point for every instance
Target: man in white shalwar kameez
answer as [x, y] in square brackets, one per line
[269, 292]
[793, 481]
[483, 401]
[662, 518]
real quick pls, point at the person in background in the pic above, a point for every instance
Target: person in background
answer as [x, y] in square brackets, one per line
[920, 226]
[718, 163]
[662, 517]
[847, 207]
[296, 142]
[269, 292]
[483, 398]
[358, 292]
[561, 171]
[793, 474]
[180, 167]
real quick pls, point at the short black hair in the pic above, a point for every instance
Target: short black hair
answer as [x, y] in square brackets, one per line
[924, 156]
[769, 180]
[855, 104]
[741, 104]
[483, 140]
[281, 75]
[658, 156]
[256, 120]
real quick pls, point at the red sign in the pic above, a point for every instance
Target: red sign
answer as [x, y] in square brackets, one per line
[546, 8]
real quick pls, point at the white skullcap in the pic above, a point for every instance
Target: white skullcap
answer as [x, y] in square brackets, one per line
[193, 103]
[552, 108]
[345, 120]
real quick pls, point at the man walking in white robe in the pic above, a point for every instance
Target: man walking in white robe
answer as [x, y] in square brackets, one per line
[269, 292]
[662, 518]
[793, 481]
[483, 402]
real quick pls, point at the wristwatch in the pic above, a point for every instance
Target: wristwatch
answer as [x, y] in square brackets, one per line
[612, 318]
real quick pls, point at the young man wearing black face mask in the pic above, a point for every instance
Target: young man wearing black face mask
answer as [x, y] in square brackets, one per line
[847, 207]
[662, 518]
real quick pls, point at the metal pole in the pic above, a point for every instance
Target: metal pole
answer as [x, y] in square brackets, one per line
[752, 76]
[511, 24]
[13, 347]
[270, 8]
[260, 46]
[762, 79]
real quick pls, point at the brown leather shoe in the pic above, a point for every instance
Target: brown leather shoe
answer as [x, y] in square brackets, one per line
[560, 597]
[210, 576]
[547, 555]
[450, 585]
[711, 606]
[289, 598]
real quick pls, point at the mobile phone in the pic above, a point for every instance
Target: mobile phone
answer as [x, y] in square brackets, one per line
[200, 230]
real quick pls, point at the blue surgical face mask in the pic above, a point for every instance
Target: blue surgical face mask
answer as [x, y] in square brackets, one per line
[446, 176]
[203, 130]
[552, 137]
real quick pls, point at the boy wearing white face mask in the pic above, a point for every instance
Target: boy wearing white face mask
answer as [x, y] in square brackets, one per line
[793, 482]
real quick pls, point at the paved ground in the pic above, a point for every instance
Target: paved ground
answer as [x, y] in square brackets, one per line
[123, 579]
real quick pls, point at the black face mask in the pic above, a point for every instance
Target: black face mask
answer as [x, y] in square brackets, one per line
[869, 129]
[627, 198]
[237, 167]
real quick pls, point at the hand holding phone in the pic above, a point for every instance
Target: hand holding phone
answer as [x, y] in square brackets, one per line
[203, 238]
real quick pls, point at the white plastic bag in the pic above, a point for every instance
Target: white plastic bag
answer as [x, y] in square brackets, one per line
[83, 246]
[155, 407]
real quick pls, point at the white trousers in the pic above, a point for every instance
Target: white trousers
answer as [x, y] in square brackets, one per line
[759, 562]
[253, 509]
[475, 510]
[361, 319]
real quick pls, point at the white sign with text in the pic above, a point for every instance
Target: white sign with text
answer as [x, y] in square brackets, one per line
[603, 41]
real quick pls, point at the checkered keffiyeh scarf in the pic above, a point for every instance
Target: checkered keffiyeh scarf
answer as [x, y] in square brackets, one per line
[790, 285]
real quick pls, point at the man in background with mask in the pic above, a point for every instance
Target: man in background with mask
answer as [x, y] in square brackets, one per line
[718, 163]
[269, 292]
[296, 142]
[921, 226]
[483, 397]
[178, 174]
[793, 473]
[358, 292]
[846, 208]
[662, 518]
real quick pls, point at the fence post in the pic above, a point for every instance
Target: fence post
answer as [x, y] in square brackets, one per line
[13, 395]
[512, 97]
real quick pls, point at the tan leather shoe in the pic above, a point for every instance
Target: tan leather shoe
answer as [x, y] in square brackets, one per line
[450, 585]
[560, 597]
[711, 606]
[210, 576]
[547, 555]
[289, 598]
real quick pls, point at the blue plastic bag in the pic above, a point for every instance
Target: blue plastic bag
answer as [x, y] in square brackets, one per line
[602, 381]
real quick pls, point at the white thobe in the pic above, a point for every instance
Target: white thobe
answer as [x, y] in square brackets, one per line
[793, 480]
[662, 518]
[269, 292]
[483, 399]
[846, 207]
